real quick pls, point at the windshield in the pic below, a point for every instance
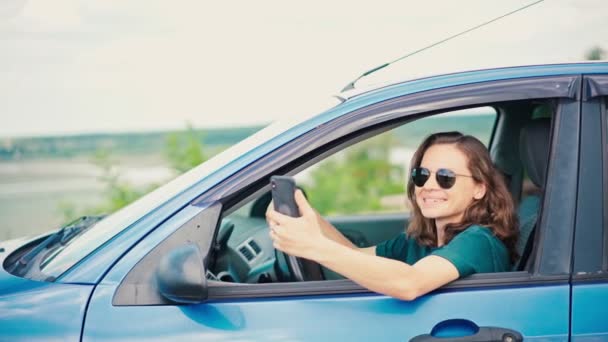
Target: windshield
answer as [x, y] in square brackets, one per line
[32, 260]
[103, 231]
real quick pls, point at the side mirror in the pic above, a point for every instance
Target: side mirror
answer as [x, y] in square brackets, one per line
[180, 275]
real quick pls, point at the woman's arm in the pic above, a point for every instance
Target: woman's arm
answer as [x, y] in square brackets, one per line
[390, 277]
[304, 237]
[333, 234]
[328, 230]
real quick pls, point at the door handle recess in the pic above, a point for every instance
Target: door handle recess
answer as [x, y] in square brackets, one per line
[461, 330]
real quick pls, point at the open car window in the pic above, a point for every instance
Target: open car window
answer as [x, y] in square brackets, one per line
[360, 189]
[370, 176]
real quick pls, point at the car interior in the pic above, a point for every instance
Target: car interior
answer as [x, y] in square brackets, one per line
[518, 137]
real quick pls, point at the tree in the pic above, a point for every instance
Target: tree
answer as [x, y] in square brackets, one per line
[184, 150]
[356, 180]
[595, 53]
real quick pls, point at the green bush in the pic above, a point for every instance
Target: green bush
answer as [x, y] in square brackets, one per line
[355, 180]
[183, 150]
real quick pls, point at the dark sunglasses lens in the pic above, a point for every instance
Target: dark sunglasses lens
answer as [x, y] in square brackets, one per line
[420, 175]
[445, 178]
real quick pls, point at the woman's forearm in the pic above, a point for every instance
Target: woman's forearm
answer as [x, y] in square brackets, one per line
[382, 275]
[312, 237]
[333, 234]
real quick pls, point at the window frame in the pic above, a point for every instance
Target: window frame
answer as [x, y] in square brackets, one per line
[589, 236]
[596, 89]
[379, 117]
[604, 124]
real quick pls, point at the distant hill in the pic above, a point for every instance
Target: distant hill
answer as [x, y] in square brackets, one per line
[213, 140]
[478, 125]
[117, 143]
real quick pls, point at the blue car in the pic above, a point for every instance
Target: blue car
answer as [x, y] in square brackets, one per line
[193, 260]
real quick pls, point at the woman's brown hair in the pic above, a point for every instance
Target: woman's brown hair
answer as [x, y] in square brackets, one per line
[495, 210]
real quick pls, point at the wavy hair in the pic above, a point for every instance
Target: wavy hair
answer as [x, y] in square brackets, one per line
[495, 210]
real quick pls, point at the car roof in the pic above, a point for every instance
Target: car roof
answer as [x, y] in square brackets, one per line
[481, 75]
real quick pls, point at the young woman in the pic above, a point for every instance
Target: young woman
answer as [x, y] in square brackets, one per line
[463, 222]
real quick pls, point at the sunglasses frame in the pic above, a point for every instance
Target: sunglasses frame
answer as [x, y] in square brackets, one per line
[444, 177]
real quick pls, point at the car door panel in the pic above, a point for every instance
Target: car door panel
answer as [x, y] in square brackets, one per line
[589, 311]
[357, 317]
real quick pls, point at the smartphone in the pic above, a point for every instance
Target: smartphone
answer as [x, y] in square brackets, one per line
[283, 190]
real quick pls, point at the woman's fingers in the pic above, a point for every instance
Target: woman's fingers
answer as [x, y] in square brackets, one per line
[276, 241]
[273, 233]
[303, 205]
[269, 207]
[279, 242]
[277, 217]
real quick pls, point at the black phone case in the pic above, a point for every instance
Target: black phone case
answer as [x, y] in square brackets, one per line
[283, 189]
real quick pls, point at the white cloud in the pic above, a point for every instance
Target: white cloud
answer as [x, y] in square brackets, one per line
[48, 16]
[70, 66]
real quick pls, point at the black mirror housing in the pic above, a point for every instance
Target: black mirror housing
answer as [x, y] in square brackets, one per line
[180, 275]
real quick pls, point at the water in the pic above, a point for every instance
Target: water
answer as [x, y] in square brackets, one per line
[34, 194]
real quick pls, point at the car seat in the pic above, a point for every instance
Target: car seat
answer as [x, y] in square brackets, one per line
[534, 153]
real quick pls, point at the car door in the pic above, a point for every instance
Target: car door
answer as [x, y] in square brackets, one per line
[590, 277]
[534, 303]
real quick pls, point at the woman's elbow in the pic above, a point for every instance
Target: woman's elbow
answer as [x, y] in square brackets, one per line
[407, 293]
[407, 296]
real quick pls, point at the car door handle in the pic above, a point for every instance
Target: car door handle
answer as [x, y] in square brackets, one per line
[457, 330]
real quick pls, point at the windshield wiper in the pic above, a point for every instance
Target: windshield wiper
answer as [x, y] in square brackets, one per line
[59, 238]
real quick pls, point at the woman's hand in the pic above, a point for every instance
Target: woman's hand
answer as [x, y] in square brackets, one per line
[298, 236]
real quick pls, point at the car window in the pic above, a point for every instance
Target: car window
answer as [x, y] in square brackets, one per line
[367, 179]
[380, 143]
[370, 177]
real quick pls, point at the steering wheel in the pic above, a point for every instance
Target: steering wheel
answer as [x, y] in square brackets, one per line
[290, 268]
[287, 267]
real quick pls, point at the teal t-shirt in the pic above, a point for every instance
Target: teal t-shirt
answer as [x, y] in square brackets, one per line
[475, 250]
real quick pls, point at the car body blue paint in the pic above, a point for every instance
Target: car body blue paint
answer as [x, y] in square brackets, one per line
[450, 80]
[40, 311]
[108, 253]
[590, 312]
[326, 318]
[31, 310]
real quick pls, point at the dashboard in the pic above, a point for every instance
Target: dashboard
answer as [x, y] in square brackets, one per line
[245, 253]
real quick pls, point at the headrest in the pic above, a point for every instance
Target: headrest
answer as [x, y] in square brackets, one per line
[258, 209]
[534, 149]
[260, 205]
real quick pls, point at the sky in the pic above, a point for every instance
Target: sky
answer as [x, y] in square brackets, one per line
[70, 67]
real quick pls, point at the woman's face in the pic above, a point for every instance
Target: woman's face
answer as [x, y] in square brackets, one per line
[447, 205]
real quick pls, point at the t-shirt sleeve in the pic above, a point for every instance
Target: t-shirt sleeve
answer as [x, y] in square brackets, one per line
[470, 252]
[395, 248]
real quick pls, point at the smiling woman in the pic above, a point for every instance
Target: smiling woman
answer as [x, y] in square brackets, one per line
[463, 222]
[456, 201]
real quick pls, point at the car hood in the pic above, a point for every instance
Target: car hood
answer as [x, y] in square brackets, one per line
[35, 310]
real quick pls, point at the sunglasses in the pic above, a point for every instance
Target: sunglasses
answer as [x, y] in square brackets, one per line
[446, 178]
